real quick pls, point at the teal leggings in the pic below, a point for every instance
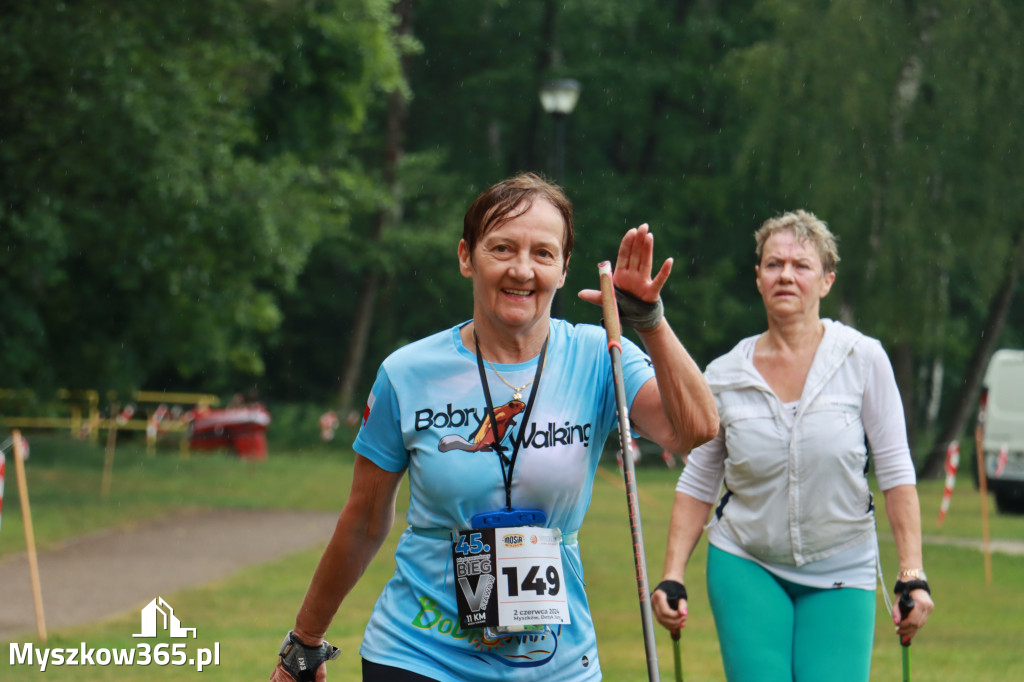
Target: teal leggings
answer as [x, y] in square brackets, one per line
[772, 630]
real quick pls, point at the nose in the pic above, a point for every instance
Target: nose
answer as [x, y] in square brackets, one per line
[521, 268]
[787, 272]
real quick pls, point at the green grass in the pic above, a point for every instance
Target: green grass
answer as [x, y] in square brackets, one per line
[973, 634]
[65, 484]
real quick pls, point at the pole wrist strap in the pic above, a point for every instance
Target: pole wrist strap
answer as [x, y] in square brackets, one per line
[674, 590]
[911, 585]
[638, 313]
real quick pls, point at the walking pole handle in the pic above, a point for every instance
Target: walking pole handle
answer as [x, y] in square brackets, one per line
[609, 308]
[676, 635]
[673, 604]
[906, 605]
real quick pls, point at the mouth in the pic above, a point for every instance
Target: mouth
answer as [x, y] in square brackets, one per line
[518, 292]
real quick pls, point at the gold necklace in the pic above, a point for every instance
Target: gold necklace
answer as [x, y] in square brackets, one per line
[517, 391]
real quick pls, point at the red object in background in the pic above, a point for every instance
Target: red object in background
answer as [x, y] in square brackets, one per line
[243, 429]
[328, 423]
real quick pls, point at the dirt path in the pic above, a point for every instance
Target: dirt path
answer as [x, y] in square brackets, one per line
[97, 576]
[995, 545]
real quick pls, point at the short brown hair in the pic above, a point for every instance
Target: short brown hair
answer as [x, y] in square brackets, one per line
[805, 226]
[498, 204]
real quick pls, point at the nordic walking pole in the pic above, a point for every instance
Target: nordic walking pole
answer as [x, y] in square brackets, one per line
[677, 655]
[614, 332]
[906, 606]
[30, 540]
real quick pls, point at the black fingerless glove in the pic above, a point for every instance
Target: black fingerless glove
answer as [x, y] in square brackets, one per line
[673, 590]
[301, 661]
[637, 313]
[911, 585]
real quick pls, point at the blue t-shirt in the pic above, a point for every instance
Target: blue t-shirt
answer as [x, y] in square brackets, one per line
[425, 413]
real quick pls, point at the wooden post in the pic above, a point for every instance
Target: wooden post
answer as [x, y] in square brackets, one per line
[108, 460]
[94, 415]
[983, 487]
[30, 541]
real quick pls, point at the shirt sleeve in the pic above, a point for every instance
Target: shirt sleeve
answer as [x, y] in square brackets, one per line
[380, 437]
[705, 470]
[884, 424]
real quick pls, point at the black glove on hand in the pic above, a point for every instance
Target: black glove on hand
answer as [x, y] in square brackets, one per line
[637, 313]
[674, 591]
[906, 587]
[301, 661]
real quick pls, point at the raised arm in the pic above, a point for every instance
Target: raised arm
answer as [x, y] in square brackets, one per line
[676, 408]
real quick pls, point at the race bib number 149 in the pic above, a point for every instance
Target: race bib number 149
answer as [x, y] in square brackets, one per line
[509, 577]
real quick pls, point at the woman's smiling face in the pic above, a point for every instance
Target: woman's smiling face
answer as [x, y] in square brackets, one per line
[516, 269]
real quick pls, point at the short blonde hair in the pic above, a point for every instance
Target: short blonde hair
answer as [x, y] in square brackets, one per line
[805, 226]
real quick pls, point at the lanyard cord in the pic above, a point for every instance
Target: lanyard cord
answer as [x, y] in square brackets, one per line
[517, 440]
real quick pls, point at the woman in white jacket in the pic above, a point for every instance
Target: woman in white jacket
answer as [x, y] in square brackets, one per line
[793, 552]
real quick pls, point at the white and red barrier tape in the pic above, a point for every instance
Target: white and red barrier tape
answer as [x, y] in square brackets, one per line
[1001, 461]
[153, 425]
[3, 472]
[3, 467]
[952, 463]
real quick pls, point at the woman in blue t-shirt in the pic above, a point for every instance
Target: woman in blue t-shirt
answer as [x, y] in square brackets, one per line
[499, 423]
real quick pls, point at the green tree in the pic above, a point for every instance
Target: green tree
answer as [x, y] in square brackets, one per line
[883, 120]
[152, 215]
[650, 140]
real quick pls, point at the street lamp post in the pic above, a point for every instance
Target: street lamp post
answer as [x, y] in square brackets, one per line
[558, 97]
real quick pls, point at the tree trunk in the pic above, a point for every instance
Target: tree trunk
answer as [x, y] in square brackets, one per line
[903, 100]
[357, 344]
[549, 58]
[967, 397]
[903, 369]
[386, 217]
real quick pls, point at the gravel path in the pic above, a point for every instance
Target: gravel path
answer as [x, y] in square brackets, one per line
[97, 576]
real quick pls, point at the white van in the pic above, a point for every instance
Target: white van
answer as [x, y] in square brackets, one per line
[1001, 416]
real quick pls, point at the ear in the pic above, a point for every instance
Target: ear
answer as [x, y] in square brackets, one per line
[565, 271]
[827, 279]
[757, 278]
[465, 259]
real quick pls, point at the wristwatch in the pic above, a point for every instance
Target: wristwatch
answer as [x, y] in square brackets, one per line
[910, 579]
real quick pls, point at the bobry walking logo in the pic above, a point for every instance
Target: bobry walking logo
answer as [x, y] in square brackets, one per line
[157, 618]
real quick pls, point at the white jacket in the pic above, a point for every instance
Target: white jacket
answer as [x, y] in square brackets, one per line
[796, 485]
